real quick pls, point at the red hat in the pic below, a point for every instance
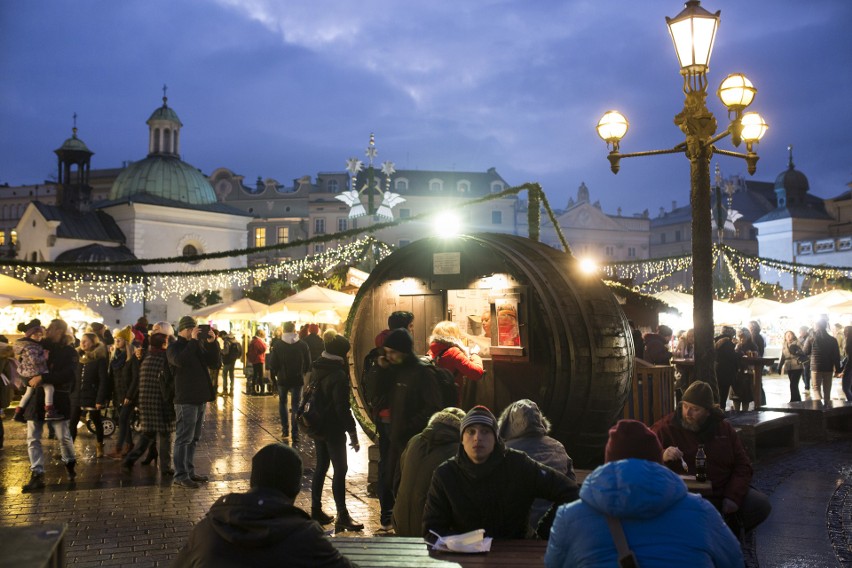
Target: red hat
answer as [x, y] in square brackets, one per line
[137, 335]
[313, 328]
[632, 439]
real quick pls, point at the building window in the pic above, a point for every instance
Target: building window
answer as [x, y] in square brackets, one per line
[283, 235]
[610, 251]
[2, 238]
[333, 186]
[463, 186]
[318, 248]
[497, 187]
[631, 252]
[260, 236]
[319, 226]
[190, 250]
[404, 213]
[436, 185]
[401, 184]
[662, 238]
[342, 224]
[677, 236]
[496, 217]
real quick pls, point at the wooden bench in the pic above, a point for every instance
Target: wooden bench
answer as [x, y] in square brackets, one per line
[651, 393]
[762, 431]
[41, 546]
[396, 552]
[816, 417]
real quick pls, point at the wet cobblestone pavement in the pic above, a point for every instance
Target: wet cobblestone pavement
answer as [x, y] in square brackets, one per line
[140, 518]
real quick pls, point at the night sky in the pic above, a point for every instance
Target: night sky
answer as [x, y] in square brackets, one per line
[281, 89]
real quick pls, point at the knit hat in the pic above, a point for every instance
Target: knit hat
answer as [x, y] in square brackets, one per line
[28, 329]
[126, 334]
[278, 467]
[313, 328]
[632, 439]
[163, 327]
[335, 343]
[478, 415]
[700, 394]
[399, 340]
[186, 322]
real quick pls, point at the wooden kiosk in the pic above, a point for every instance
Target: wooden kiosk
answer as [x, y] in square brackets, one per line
[551, 333]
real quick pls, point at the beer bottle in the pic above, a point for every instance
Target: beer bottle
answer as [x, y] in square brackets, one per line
[700, 464]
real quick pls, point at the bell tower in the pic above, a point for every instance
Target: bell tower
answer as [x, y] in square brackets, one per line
[74, 156]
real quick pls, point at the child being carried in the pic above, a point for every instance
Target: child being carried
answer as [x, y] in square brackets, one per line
[32, 363]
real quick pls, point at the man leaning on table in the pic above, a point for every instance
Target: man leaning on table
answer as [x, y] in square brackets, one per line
[652, 506]
[489, 486]
[699, 421]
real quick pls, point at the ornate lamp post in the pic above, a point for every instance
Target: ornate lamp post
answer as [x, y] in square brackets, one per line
[693, 32]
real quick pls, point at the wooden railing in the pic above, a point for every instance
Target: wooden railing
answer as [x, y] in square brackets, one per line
[652, 392]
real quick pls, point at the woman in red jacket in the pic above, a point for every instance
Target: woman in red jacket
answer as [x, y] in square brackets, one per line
[256, 355]
[447, 349]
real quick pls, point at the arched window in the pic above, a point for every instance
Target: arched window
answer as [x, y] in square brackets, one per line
[156, 140]
[436, 185]
[190, 250]
[497, 186]
[401, 184]
[463, 186]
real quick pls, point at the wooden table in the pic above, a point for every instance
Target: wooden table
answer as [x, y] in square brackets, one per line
[703, 488]
[757, 364]
[33, 546]
[408, 552]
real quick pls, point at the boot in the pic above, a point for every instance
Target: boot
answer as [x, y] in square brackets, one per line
[152, 456]
[346, 523]
[36, 482]
[127, 449]
[321, 517]
[69, 467]
[99, 450]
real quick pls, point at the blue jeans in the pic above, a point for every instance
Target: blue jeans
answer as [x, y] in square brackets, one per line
[295, 400]
[331, 450]
[190, 418]
[63, 434]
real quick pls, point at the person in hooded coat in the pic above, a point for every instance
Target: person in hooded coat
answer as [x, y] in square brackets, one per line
[663, 523]
[523, 427]
[437, 443]
[262, 527]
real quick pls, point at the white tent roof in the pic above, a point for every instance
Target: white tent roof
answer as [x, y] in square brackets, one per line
[244, 309]
[723, 312]
[759, 307]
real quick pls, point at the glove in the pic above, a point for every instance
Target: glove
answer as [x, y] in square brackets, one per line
[354, 441]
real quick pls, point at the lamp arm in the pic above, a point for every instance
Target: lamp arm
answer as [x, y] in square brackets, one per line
[676, 150]
[721, 135]
[751, 157]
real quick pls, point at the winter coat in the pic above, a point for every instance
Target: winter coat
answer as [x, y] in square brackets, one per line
[62, 369]
[230, 352]
[728, 467]
[823, 351]
[333, 378]
[190, 360]
[664, 524]
[727, 361]
[315, 345]
[31, 357]
[448, 353]
[790, 354]
[656, 349]
[523, 428]
[93, 385]
[414, 397]
[256, 351]
[495, 495]
[290, 359]
[123, 374]
[258, 528]
[156, 393]
[425, 452]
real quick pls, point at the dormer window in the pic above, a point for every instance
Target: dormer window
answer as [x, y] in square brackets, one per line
[463, 186]
[436, 185]
[400, 185]
[497, 186]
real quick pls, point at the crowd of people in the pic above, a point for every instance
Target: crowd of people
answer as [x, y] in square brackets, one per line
[443, 468]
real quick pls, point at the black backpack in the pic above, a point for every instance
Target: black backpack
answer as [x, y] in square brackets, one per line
[444, 379]
[312, 409]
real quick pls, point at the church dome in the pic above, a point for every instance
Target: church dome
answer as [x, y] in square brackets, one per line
[74, 144]
[164, 112]
[792, 180]
[163, 176]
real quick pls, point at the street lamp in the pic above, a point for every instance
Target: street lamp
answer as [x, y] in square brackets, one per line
[693, 33]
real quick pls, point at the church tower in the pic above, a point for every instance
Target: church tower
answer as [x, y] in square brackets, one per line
[74, 192]
[164, 131]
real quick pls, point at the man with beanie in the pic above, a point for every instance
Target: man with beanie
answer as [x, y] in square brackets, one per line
[488, 486]
[698, 421]
[662, 522]
[190, 357]
[290, 361]
[412, 395]
[262, 527]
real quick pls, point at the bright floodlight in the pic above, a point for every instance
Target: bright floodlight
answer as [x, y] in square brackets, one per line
[754, 127]
[693, 33]
[612, 126]
[588, 266]
[447, 224]
[736, 91]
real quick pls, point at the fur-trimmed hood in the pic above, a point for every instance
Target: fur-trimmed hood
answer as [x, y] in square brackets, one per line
[99, 352]
[522, 419]
[449, 342]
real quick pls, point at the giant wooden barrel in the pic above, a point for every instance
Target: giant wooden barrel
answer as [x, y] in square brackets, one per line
[574, 353]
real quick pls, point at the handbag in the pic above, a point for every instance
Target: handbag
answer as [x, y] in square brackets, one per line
[626, 558]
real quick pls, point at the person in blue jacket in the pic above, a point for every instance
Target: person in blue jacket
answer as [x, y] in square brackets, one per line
[664, 524]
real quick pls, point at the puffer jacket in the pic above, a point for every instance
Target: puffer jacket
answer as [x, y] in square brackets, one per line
[31, 357]
[258, 528]
[523, 427]
[448, 353]
[823, 351]
[665, 525]
[93, 385]
[437, 443]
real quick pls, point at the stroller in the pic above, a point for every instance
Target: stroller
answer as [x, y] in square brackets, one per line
[109, 419]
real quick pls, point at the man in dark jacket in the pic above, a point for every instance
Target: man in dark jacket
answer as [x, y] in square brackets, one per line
[291, 359]
[314, 341]
[262, 527]
[727, 363]
[698, 421]
[190, 358]
[231, 351]
[488, 486]
[657, 346]
[62, 372]
[824, 355]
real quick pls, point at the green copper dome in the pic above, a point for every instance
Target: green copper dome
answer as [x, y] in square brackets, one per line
[163, 176]
[74, 144]
[164, 113]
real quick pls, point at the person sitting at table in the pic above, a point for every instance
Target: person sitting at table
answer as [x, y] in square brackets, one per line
[262, 527]
[699, 421]
[489, 486]
[523, 427]
[437, 443]
[652, 505]
[657, 346]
